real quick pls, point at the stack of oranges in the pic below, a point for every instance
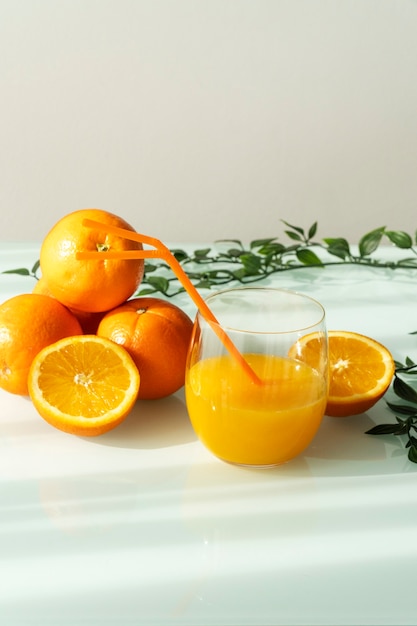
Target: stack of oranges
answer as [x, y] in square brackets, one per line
[81, 345]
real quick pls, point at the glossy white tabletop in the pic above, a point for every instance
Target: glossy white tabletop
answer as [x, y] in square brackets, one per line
[143, 526]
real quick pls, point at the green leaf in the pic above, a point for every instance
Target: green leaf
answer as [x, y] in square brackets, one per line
[35, 267]
[404, 391]
[410, 261]
[312, 230]
[338, 247]
[412, 454]
[370, 242]
[308, 257]
[402, 409]
[293, 248]
[296, 228]
[259, 243]
[159, 283]
[251, 263]
[239, 274]
[412, 441]
[399, 238]
[179, 254]
[386, 429]
[272, 249]
[146, 292]
[22, 271]
[293, 236]
[235, 252]
[236, 241]
[201, 254]
[203, 284]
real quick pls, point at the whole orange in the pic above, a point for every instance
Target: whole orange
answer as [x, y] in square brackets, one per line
[89, 285]
[89, 321]
[28, 323]
[156, 334]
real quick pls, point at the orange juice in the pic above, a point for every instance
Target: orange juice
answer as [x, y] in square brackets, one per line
[251, 424]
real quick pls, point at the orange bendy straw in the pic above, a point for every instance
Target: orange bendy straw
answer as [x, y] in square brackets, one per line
[161, 251]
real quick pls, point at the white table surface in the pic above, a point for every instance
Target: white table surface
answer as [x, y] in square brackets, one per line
[144, 526]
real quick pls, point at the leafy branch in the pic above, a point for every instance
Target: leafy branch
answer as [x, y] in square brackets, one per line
[405, 412]
[232, 261]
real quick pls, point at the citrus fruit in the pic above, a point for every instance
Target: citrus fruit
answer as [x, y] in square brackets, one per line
[42, 288]
[28, 323]
[83, 385]
[156, 334]
[89, 285]
[89, 321]
[360, 370]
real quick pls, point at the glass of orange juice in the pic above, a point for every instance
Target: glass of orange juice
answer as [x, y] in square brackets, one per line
[272, 419]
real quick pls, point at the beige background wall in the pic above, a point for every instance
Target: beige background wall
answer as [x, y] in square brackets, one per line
[203, 119]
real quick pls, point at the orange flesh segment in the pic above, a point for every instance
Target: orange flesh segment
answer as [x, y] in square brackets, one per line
[89, 384]
[356, 367]
[84, 385]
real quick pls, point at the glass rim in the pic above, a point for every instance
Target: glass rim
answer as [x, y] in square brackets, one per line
[292, 292]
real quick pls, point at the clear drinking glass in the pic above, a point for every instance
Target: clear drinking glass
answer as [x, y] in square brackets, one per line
[282, 336]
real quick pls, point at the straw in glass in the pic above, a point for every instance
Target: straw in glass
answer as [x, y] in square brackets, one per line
[161, 251]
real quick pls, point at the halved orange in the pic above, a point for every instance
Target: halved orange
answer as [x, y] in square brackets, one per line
[84, 385]
[360, 370]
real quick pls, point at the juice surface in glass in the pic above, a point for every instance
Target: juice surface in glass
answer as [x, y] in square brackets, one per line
[250, 424]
